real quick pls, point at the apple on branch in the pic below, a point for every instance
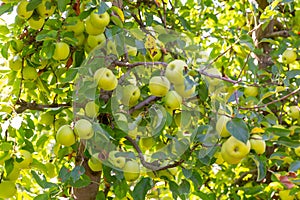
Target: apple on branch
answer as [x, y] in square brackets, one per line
[84, 129]
[159, 86]
[100, 20]
[221, 126]
[116, 161]
[174, 71]
[251, 91]
[289, 56]
[131, 170]
[61, 51]
[46, 8]
[22, 10]
[7, 189]
[172, 101]
[131, 95]
[258, 144]
[105, 79]
[65, 136]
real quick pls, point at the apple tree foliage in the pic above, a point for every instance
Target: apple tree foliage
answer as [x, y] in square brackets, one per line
[241, 65]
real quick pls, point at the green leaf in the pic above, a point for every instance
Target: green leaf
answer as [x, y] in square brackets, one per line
[5, 8]
[121, 188]
[261, 167]
[293, 73]
[46, 35]
[165, 38]
[286, 141]
[184, 187]
[102, 8]
[100, 195]
[295, 166]
[62, 4]
[77, 172]
[33, 4]
[42, 196]
[278, 131]
[238, 129]
[41, 180]
[141, 188]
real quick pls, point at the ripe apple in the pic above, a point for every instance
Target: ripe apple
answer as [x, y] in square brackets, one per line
[65, 136]
[74, 24]
[174, 71]
[172, 101]
[131, 170]
[285, 195]
[131, 51]
[159, 86]
[106, 79]
[95, 163]
[29, 73]
[84, 129]
[91, 109]
[27, 159]
[257, 144]
[289, 56]
[61, 51]
[92, 30]
[36, 23]
[131, 95]
[183, 91]
[215, 72]
[22, 10]
[251, 91]
[234, 150]
[146, 143]
[95, 40]
[118, 162]
[51, 170]
[7, 189]
[221, 126]
[46, 118]
[46, 8]
[297, 151]
[99, 20]
[15, 64]
[294, 112]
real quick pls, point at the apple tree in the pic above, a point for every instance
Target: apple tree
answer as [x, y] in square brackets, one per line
[159, 99]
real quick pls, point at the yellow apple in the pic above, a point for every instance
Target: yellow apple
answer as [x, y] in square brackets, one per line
[116, 161]
[51, 170]
[285, 195]
[80, 39]
[65, 136]
[174, 71]
[46, 118]
[15, 63]
[27, 159]
[22, 10]
[258, 144]
[46, 8]
[95, 163]
[74, 24]
[131, 95]
[159, 86]
[14, 174]
[233, 150]
[294, 112]
[95, 40]
[61, 51]
[172, 101]
[92, 30]
[29, 73]
[289, 56]
[99, 20]
[185, 92]
[221, 126]
[251, 91]
[84, 129]
[36, 23]
[297, 151]
[91, 109]
[214, 72]
[131, 170]
[7, 189]
[105, 79]
[146, 143]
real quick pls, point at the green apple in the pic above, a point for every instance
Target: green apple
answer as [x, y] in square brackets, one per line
[172, 101]
[36, 23]
[92, 30]
[289, 56]
[131, 51]
[65, 136]
[251, 91]
[15, 63]
[174, 71]
[27, 159]
[146, 143]
[257, 144]
[7, 189]
[91, 109]
[22, 10]
[14, 174]
[74, 24]
[116, 161]
[294, 112]
[297, 151]
[159, 86]
[285, 195]
[29, 73]
[131, 95]
[46, 118]
[80, 39]
[46, 8]
[84, 129]
[111, 48]
[51, 170]
[183, 91]
[61, 51]
[234, 150]
[131, 170]
[214, 72]
[221, 126]
[99, 20]
[105, 79]
[95, 163]
[95, 40]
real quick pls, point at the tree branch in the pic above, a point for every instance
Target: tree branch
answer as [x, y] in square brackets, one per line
[143, 103]
[34, 106]
[283, 33]
[132, 65]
